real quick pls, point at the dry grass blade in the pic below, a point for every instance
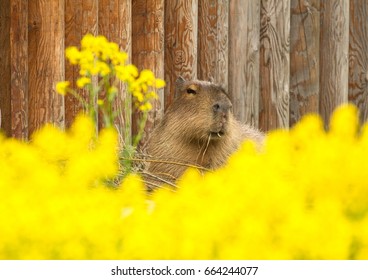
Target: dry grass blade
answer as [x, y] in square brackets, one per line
[205, 149]
[152, 181]
[158, 178]
[168, 162]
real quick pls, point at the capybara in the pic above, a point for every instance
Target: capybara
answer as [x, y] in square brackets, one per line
[198, 129]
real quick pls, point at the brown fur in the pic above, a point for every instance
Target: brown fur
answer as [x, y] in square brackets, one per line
[198, 129]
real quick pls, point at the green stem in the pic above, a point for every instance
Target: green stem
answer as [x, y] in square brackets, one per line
[92, 110]
[141, 125]
[127, 115]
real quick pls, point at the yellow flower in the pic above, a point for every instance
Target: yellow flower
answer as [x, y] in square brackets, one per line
[119, 58]
[145, 107]
[146, 75]
[81, 82]
[138, 95]
[132, 70]
[87, 41]
[62, 87]
[103, 68]
[160, 83]
[57, 203]
[345, 121]
[73, 55]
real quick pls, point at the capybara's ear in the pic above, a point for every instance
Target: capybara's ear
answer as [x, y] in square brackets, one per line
[178, 86]
[179, 81]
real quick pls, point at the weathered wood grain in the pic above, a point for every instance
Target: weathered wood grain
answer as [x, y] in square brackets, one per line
[81, 17]
[19, 68]
[5, 88]
[46, 62]
[358, 57]
[181, 29]
[148, 52]
[280, 59]
[334, 47]
[213, 41]
[244, 44]
[304, 58]
[274, 64]
[115, 23]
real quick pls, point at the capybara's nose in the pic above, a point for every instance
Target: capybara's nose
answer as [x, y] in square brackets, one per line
[221, 107]
[216, 107]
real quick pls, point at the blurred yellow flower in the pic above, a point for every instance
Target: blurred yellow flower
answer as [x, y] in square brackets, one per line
[102, 61]
[304, 196]
[145, 107]
[62, 87]
[73, 55]
[87, 41]
[82, 81]
[160, 83]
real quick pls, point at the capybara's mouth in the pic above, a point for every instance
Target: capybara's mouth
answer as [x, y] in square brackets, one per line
[218, 134]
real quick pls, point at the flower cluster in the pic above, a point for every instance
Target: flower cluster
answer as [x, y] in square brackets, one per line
[141, 85]
[54, 203]
[102, 59]
[304, 196]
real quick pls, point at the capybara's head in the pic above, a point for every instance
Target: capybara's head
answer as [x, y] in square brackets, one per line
[200, 110]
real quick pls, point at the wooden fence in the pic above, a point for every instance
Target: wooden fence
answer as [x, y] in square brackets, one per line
[279, 59]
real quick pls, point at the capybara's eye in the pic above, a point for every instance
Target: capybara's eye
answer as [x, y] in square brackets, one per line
[191, 91]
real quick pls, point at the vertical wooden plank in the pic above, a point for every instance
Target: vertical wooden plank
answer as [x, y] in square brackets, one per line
[334, 55]
[358, 57]
[19, 68]
[213, 41]
[5, 88]
[124, 39]
[244, 59]
[81, 17]
[304, 58]
[274, 64]
[46, 62]
[114, 22]
[148, 50]
[181, 27]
